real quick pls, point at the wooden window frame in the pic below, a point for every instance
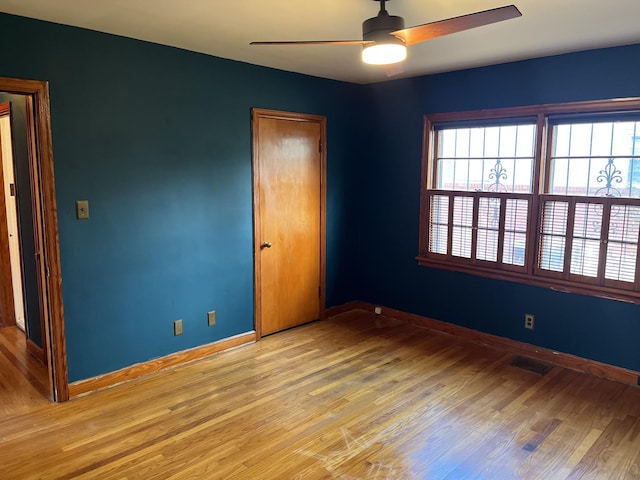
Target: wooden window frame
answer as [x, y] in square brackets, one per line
[531, 274]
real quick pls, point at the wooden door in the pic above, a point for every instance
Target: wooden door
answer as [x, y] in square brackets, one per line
[289, 198]
[11, 214]
[7, 310]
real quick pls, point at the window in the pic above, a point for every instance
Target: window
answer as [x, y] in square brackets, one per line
[484, 162]
[545, 195]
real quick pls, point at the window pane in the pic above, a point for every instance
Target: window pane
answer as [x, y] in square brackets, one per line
[462, 143]
[561, 138]
[596, 159]
[492, 141]
[552, 239]
[438, 224]
[488, 223]
[622, 246]
[585, 251]
[462, 227]
[580, 140]
[515, 236]
[602, 139]
[559, 176]
[494, 159]
[624, 134]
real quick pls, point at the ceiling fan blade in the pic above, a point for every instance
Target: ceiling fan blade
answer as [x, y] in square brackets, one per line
[421, 33]
[315, 42]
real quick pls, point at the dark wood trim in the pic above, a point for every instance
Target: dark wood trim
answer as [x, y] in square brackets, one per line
[595, 106]
[36, 351]
[37, 217]
[346, 307]
[5, 108]
[501, 231]
[257, 228]
[534, 280]
[256, 114]
[604, 240]
[323, 214]
[539, 169]
[568, 239]
[475, 209]
[47, 231]
[636, 285]
[153, 366]
[565, 360]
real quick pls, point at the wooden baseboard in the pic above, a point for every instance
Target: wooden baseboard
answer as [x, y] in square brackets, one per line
[347, 307]
[36, 351]
[152, 366]
[566, 360]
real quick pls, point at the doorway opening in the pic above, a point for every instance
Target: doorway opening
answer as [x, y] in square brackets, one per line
[38, 247]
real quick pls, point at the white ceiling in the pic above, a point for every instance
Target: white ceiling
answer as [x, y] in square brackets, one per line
[225, 28]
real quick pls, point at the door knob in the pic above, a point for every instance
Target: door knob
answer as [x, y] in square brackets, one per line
[266, 245]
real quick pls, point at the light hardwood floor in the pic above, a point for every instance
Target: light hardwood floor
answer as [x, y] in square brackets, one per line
[23, 379]
[354, 397]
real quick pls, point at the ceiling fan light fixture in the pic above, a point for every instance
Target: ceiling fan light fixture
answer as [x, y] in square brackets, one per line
[385, 39]
[384, 53]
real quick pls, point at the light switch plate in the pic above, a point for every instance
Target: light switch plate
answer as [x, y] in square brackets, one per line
[82, 209]
[211, 318]
[177, 328]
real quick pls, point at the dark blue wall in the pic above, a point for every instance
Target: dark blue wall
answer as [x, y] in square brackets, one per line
[604, 330]
[158, 140]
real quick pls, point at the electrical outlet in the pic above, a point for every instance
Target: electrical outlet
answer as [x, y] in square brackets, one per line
[177, 328]
[529, 321]
[211, 318]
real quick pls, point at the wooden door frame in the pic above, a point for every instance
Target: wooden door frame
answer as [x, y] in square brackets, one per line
[256, 115]
[43, 200]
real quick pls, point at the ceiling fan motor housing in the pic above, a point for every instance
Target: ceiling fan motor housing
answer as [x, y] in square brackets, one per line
[378, 28]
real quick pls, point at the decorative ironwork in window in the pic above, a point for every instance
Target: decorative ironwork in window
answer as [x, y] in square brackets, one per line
[498, 173]
[497, 158]
[609, 175]
[596, 159]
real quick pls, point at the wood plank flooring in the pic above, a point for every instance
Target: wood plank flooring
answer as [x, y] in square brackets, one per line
[354, 397]
[23, 379]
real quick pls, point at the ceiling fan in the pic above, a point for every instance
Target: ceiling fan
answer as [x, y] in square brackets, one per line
[384, 38]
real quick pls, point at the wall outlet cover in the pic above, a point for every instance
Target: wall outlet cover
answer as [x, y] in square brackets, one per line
[177, 328]
[82, 209]
[529, 321]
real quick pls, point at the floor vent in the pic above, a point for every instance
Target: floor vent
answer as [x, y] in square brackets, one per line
[531, 365]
